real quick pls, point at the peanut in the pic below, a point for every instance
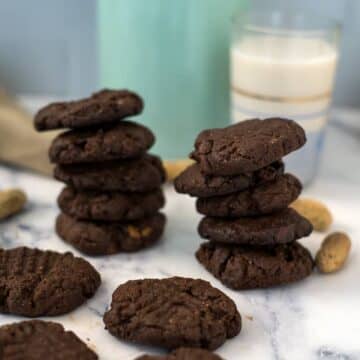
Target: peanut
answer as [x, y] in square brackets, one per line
[134, 232]
[146, 231]
[137, 233]
[12, 201]
[173, 168]
[333, 252]
[315, 211]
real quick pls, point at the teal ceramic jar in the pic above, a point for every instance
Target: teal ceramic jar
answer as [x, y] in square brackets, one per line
[175, 54]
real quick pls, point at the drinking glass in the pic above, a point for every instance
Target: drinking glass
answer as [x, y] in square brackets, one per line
[283, 65]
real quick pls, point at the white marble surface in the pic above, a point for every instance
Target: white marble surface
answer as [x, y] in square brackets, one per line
[318, 318]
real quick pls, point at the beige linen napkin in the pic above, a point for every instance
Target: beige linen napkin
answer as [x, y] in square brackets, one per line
[20, 144]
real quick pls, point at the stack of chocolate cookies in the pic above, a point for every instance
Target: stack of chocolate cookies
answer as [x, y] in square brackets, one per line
[113, 195]
[245, 195]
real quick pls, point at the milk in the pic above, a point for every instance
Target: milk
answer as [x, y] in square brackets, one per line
[286, 76]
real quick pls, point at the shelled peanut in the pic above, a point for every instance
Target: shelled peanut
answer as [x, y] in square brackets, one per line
[174, 167]
[333, 252]
[315, 211]
[12, 201]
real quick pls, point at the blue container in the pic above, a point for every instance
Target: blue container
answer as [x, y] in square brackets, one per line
[175, 54]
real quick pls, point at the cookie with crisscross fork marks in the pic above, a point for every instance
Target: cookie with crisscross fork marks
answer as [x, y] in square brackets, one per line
[39, 340]
[37, 283]
[171, 313]
[184, 354]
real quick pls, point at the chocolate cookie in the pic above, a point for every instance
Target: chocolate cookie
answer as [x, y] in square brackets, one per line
[247, 146]
[193, 182]
[138, 175]
[103, 107]
[282, 227]
[122, 140]
[264, 199]
[39, 340]
[111, 205]
[250, 267]
[44, 283]
[105, 238]
[184, 354]
[172, 313]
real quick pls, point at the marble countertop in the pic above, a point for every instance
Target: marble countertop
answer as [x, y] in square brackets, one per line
[318, 318]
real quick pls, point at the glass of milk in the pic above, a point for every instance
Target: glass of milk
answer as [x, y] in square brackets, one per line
[283, 65]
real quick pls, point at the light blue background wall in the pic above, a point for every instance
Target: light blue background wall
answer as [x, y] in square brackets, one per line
[49, 46]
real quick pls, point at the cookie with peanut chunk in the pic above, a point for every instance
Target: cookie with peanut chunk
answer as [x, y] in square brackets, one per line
[105, 238]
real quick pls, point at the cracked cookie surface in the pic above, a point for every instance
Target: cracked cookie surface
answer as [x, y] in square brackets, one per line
[137, 175]
[106, 238]
[184, 354]
[122, 140]
[193, 182]
[281, 227]
[172, 313]
[247, 146]
[38, 283]
[103, 107]
[39, 340]
[111, 205]
[249, 267]
[264, 199]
